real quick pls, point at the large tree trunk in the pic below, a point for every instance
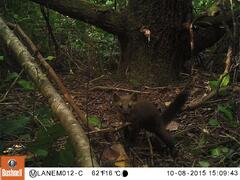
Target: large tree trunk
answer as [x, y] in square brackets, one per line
[161, 59]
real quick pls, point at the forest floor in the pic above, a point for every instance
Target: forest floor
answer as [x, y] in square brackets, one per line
[198, 141]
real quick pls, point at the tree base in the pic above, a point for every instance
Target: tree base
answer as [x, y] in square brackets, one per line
[145, 73]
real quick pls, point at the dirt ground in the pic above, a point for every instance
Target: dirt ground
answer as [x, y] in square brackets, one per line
[193, 125]
[193, 135]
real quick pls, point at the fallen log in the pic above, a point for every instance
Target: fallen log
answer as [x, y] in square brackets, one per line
[58, 106]
[51, 73]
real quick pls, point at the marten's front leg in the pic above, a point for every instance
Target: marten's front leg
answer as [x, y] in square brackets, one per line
[165, 136]
[130, 133]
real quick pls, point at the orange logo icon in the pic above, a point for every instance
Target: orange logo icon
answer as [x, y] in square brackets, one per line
[12, 167]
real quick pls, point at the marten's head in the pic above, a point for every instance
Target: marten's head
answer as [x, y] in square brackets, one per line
[125, 103]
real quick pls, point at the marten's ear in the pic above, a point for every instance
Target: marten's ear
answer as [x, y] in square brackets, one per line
[116, 97]
[134, 97]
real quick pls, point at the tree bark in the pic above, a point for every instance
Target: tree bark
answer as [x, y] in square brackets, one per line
[207, 30]
[103, 17]
[58, 106]
[159, 60]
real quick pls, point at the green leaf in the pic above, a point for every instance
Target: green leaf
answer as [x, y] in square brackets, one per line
[16, 16]
[26, 137]
[213, 122]
[46, 137]
[43, 141]
[196, 151]
[109, 2]
[219, 151]
[216, 152]
[56, 131]
[50, 58]
[11, 76]
[25, 84]
[95, 121]
[226, 112]
[213, 85]
[204, 163]
[15, 125]
[225, 150]
[225, 81]
[202, 140]
[134, 82]
[41, 153]
[50, 134]
[66, 156]
[44, 115]
[1, 58]
[223, 91]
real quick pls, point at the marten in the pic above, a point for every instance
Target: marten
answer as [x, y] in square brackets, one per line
[145, 115]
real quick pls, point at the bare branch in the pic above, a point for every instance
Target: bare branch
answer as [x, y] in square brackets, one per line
[199, 102]
[99, 16]
[32, 47]
[116, 89]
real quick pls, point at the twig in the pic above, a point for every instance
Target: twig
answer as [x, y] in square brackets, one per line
[45, 13]
[197, 103]
[19, 141]
[201, 101]
[183, 131]
[232, 138]
[155, 88]
[95, 99]
[116, 89]
[150, 148]
[217, 101]
[10, 87]
[9, 103]
[107, 130]
[209, 146]
[228, 61]
[135, 155]
[96, 79]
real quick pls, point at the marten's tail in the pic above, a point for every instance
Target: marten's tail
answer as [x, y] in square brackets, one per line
[175, 107]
